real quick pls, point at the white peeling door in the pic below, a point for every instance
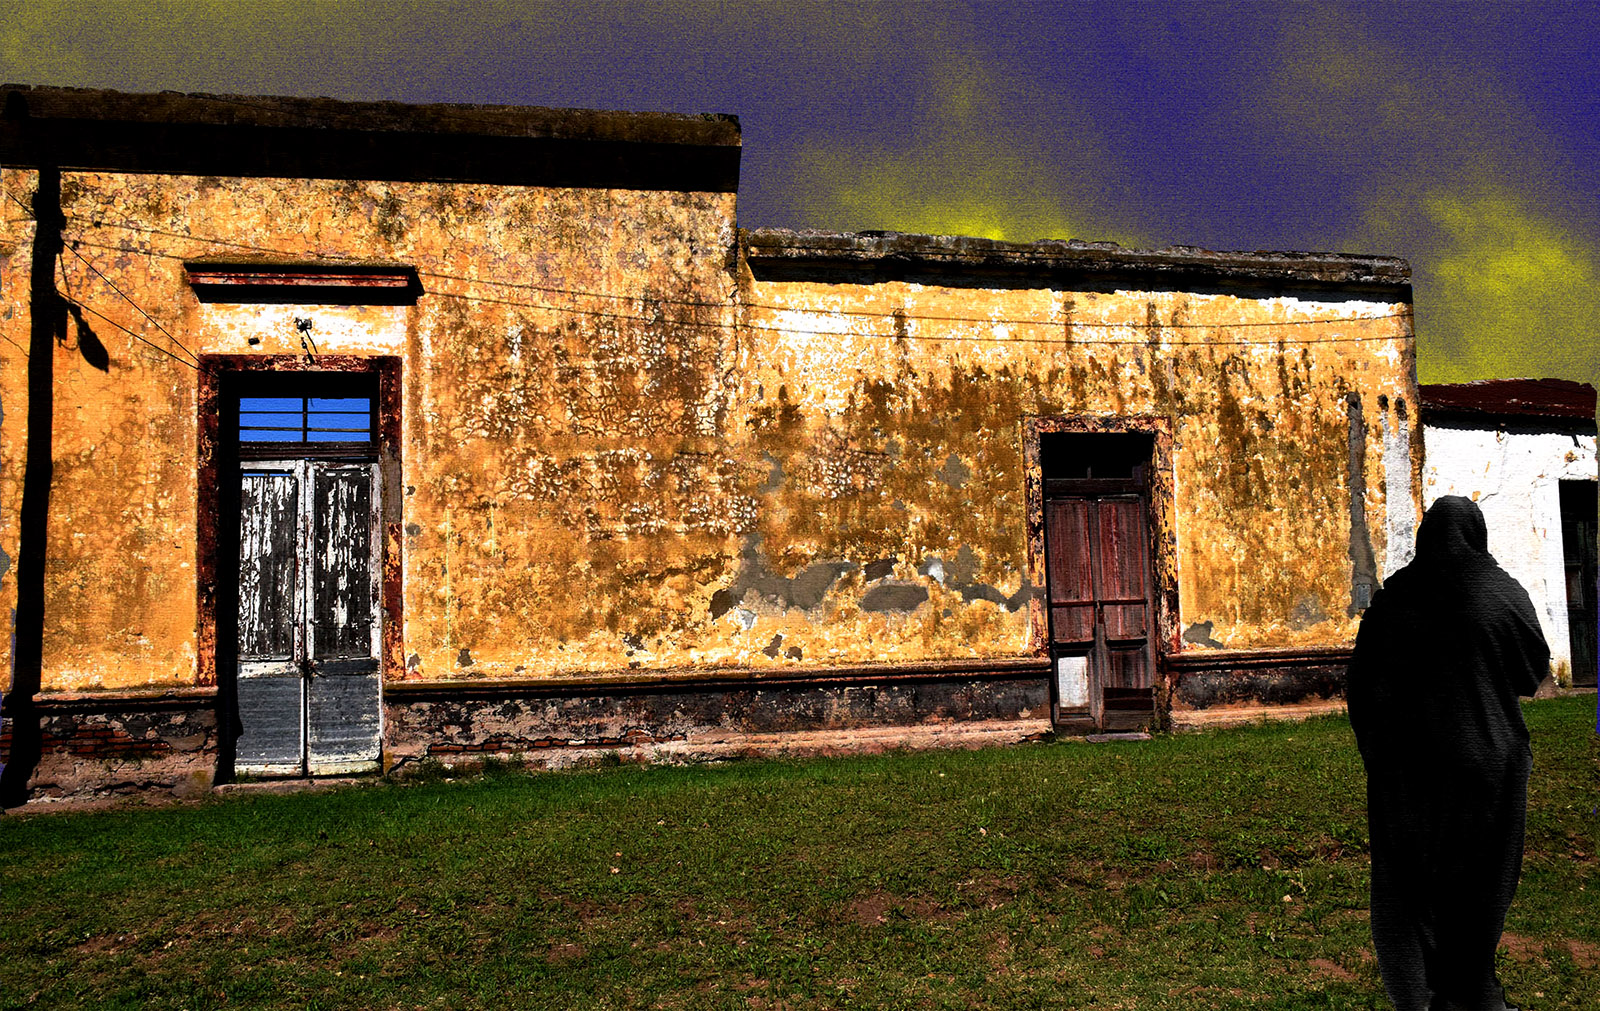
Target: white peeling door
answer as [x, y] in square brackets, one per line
[308, 685]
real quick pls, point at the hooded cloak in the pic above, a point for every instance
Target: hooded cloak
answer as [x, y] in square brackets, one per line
[1443, 652]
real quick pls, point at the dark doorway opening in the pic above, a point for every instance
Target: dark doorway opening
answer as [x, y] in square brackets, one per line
[1097, 557]
[299, 543]
[1578, 530]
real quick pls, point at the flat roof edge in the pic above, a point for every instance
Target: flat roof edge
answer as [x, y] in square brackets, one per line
[889, 253]
[201, 108]
[251, 136]
[1511, 399]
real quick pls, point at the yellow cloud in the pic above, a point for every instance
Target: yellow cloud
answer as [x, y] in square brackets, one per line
[964, 168]
[1445, 164]
[1510, 291]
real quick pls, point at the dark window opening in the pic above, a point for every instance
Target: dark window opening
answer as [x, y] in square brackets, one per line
[1578, 547]
[1094, 457]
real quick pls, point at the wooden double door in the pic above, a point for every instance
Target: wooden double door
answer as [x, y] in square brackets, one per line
[308, 630]
[1101, 607]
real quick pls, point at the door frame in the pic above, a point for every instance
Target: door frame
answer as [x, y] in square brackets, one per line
[1165, 636]
[221, 378]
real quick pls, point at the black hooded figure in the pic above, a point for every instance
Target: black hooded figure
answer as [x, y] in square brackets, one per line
[1444, 651]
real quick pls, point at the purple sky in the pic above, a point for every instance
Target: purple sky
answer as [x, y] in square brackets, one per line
[1464, 136]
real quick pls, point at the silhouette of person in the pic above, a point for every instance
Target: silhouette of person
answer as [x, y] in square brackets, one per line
[1443, 652]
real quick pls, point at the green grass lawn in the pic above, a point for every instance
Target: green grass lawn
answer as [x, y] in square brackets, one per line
[1220, 870]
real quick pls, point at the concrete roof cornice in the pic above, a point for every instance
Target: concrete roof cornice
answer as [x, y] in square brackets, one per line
[247, 135]
[866, 256]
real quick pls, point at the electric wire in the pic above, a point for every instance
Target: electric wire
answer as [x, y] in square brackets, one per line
[936, 338]
[196, 365]
[771, 307]
[21, 350]
[140, 337]
[112, 285]
[899, 317]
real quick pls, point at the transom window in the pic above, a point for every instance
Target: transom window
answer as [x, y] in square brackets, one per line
[305, 419]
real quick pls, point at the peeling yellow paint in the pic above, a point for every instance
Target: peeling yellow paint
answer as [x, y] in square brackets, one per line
[620, 453]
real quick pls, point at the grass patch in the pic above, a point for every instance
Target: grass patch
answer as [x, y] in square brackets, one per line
[1224, 870]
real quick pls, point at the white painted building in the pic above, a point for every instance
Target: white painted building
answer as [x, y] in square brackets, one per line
[1524, 450]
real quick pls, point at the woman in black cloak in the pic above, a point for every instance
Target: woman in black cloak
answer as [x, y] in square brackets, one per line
[1443, 652]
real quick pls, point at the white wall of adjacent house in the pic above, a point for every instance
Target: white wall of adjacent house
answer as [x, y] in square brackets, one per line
[1515, 479]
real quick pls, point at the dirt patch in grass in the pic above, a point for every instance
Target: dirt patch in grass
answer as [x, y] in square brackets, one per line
[999, 955]
[564, 952]
[1586, 955]
[1522, 949]
[1331, 969]
[990, 891]
[879, 907]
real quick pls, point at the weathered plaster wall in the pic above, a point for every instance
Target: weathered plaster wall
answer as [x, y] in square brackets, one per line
[1515, 479]
[890, 415]
[622, 455]
[571, 349]
[120, 592]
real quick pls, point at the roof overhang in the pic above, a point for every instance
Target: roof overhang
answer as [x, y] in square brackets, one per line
[251, 136]
[1543, 404]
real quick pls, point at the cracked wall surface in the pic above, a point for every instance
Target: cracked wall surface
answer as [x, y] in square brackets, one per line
[623, 454]
[895, 411]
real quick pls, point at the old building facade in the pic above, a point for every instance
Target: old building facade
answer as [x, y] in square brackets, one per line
[1524, 450]
[340, 436]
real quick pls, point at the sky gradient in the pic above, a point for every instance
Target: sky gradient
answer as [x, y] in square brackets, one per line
[1464, 136]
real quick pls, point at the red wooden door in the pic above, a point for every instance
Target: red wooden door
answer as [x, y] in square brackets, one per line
[1098, 569]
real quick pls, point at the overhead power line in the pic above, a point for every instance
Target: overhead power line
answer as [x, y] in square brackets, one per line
[1071, 330]
[1065, 325]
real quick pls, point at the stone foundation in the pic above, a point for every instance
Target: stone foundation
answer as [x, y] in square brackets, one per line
[99, 744]
[552, 724]
[1221, 687]
[94, 745]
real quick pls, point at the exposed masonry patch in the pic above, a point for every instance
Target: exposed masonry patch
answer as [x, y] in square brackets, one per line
[1200, 632]
[774, 476]
[958, 574]
[774, 646]
[954, 473]
[879, 569]
[894, 597]
[1273, 687]
[810, 586]
[413, 662]
[464, 658]
[1307, 612]
[804, 590]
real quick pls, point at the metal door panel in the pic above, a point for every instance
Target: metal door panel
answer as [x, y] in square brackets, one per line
[342, 720]
[271, 711]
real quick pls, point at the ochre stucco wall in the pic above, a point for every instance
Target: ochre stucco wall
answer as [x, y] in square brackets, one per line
[622, 454]
[915, 406]
[504, 385]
